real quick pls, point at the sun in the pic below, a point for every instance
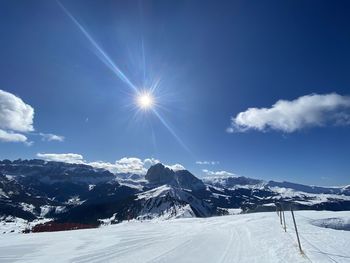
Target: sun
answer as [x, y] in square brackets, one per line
[145, 100]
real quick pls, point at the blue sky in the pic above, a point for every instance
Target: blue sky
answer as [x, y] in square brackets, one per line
[213, 62]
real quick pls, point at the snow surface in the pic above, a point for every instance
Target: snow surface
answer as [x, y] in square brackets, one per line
[234, 211]
[3, 194]
[335, 223]
[28, 207]
[136, 184]
[156, 192]
[74, 200]
[12, 225]
[309, 198]
[256, 237]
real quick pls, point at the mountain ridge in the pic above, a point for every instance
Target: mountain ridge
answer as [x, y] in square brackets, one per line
[79, 193]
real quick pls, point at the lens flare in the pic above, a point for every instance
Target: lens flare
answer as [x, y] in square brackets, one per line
[145, 100]
[101, 54]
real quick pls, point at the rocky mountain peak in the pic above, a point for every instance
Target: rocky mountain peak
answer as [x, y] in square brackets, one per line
[159, 174]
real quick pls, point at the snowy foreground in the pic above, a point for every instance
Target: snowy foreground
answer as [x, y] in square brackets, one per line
[255, 237]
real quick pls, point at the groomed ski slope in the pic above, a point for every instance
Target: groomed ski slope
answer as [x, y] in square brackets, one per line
[255, 237]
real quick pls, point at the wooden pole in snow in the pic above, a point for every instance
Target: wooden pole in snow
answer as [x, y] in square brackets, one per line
[296, 230]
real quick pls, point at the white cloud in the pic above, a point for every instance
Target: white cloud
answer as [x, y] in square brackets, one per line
[16, 118]
[124, 165]
[289, 116]
[15, 115]
[150, 161]
[61, 157]
[217, 173]
[12, 137]
[130, 165]
[51, 137]
[104, 165]
[176, 167]
[207, 162]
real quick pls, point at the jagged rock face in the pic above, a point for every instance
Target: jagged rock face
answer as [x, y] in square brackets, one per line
[53, 172]
[34, 188]
[187, 180]
[159, 174]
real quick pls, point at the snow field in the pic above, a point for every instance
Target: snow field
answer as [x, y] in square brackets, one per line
[256, 237]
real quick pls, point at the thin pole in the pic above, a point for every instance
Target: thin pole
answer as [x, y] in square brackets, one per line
[284, 222]
[281, 216]
[296, 230]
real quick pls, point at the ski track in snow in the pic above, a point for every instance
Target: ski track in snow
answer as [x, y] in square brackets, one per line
[256, 237]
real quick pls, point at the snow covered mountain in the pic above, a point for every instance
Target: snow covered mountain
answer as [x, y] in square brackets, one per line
[36, 189]
[241, 181]
[169, 202]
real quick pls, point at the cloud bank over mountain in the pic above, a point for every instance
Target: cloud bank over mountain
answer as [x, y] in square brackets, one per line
[217, 173]
[61, 157]
[131, 165]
